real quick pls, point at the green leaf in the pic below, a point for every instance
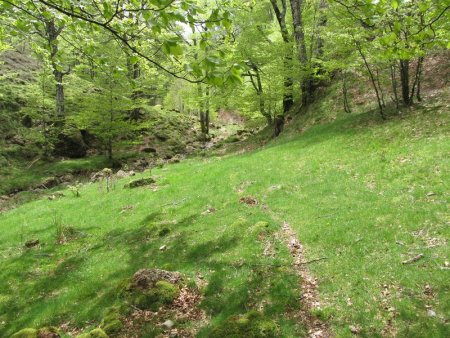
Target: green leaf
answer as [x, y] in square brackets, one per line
[171, 47]
[394, 4]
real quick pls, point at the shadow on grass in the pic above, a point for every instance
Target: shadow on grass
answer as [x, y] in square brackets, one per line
[232, 289]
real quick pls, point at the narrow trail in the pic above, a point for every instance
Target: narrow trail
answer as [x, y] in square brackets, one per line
[309, 297]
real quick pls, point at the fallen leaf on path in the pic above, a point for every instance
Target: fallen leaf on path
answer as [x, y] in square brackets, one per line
[248, 200]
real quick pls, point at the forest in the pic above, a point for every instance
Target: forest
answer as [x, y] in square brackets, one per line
[224, 168]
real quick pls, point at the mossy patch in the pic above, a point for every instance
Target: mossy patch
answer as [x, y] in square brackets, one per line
[26, 333]
[46, 332]
[111, 322]
[140, 182]
[252, 324]
[161, 293]
[96, 333]
[261, 228]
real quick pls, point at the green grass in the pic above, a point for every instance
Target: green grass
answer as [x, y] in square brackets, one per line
[364, 194]
[21, 176]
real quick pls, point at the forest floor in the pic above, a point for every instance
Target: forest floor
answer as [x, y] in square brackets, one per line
[341, 228]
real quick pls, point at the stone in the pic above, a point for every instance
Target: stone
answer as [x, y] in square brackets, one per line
[168, 324]
[354, 329]
[124, 174]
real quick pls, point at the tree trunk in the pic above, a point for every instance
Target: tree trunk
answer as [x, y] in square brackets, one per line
[60, 112]
[299, 35]
[207, 108]
[111, 120]
[404, 81]
[288, 100]
[52, 32]
[394, 86]
[135, 72]
[417, 79]
[373, 80]
[347, 108]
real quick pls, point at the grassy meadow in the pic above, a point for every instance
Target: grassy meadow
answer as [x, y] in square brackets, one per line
[362, 195]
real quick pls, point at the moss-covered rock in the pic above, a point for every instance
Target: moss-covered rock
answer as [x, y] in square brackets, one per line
[111, 322]
[46, 332]
[96, 333]
[140, 182]
[252, 324]
[26, 333]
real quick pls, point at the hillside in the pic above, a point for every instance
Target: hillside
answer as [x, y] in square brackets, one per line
[368, 201]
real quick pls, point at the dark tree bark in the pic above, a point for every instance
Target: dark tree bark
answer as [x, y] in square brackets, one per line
[417, 81]
[347, 108]
[404, 81]
[299, 35]
[134, 72]
[288, 100]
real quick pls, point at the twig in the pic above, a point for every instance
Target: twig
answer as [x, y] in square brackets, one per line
[413, 259]
[33, 162]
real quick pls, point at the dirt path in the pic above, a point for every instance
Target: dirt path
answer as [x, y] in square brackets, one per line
[308, 284]
[309, 298]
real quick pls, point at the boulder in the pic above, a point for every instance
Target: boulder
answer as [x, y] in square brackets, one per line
[124, 174]
[70, 143]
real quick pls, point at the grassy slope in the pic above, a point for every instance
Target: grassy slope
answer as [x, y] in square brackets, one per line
[352, 188]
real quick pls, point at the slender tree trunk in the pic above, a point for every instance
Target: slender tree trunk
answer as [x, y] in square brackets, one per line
[372, 79]
[136, 112]
[347, 108]
[207, 109]
[60, 111]
[257, 85]
[52, 32]
[394, 86]
[111, 120]
[380, 88]
[417, 79]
